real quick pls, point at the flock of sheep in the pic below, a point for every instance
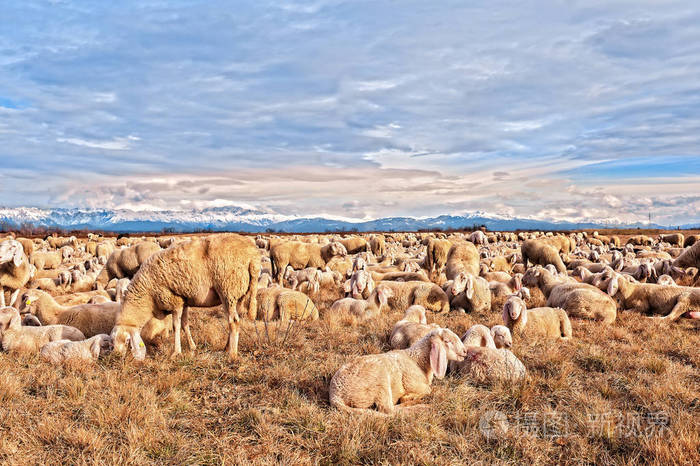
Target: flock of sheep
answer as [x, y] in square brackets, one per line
[76, 299]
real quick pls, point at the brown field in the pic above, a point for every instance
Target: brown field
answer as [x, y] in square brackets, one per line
[625, 394]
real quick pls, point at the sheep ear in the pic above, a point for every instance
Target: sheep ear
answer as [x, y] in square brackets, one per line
[613, 286]
[518, 282]
[15, 322]
[513, 259]
[469, 292]
[138, 348]
[438, 358]
[95, 347]
[346, 287]
[18, 256]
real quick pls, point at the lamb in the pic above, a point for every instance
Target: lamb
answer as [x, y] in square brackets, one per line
[690, 257]
[411, 328]
[29, 339]
[428, 295]
[541, 252]
[469, 293]
[284, 304]
[91, 319]
[57, 352]
[399, 376]
[360, 284]
[301, 255]
[462, 257]
[297, 277]
[203, 272]
[577, 299]
[545, 321]
[375, 304]
[484, 362]
[15, 270]
[647, 298]
[124, 263]
[46, 260]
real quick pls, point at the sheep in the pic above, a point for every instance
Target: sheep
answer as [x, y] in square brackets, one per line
[297, 277]
[484, 362]
[46, 260]
[690, 240]
[541, 252]
[640, 240]
[57, 352]
[428, 295]
[91, 319]
[690, 257]
[17, 338]
[15, 270]
[203, 272]
[377, 245]
[502, 264]
[124, 263]
[27, 245]
[104, 249]
[360, 284]
[577, 299]
[301, 255]
[666, 280]
[502, 336]
[674, 239]
[354, 244]
[75, 298]
[469, 294]
[374, 305]
[284, 304]
[400, 276]
[647, 298]
[411, 328]
[500, 289]
[399, 376]
[436, 257]
[478, 237]
[545, 321]
[462, 257]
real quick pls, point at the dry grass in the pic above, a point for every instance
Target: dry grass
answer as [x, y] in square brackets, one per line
[271, 406]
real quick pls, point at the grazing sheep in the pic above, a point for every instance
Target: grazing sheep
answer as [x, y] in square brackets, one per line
[203, 272]
[545, 321]
[375, 304]
[577, 299]
[284, 304]
[411, 328]
[468, 293]
[399, 376]
[301, 255]
[17, 338]
[377, 245]
[484, 362]
[436, 257]
[124, 263]
[478, 237]
[541, 252]
[45, 260]
[57, 352]
[690, 257]
[428, 295]
[297, 277]
[647, 298]
[15, 270]
[462, 257]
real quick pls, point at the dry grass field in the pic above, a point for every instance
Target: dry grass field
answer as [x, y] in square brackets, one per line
[624, 394]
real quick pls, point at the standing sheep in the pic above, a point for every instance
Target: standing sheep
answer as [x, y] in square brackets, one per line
[15, 270]
[541, 252]
[203, 272]
[301, 255]
[124, 263]
[436, 257]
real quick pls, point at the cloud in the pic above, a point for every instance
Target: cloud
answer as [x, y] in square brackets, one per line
[354, 108]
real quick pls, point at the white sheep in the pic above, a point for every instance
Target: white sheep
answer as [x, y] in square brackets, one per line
[411, 328]
[399, 376]
[545, 321]
[29, 339]
[484, 362]
[15, 269]
[376, 303]
[89, 350]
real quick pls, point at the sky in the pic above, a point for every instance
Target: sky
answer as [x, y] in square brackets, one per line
[556, 110]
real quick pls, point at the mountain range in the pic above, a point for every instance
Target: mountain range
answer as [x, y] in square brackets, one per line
[248, 220]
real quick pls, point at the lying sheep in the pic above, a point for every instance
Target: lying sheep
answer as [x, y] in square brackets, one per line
[398, 377]
[45, 260]
[278, 303]
[375, 304]
[690, 257]
[16, 338]
[203, 272]
[670, 301]
[469, 294]
[411, 328]
[297, 277]
[544, 321]
[57, 352]
[484, 363]
[428, 295]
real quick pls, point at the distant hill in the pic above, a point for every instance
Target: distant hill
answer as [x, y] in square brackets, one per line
[246, 220]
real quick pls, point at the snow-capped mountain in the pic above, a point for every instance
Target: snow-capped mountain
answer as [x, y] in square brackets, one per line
[248, 220]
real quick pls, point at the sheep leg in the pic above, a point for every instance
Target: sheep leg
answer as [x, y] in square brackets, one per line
[680, 308]
[177, 323]
[233, 328]
[13, 298]
[2, 296]
[186, 327]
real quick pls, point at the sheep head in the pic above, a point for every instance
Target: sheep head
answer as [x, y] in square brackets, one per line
[502, 337]
[126, 335]
[11, 250]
